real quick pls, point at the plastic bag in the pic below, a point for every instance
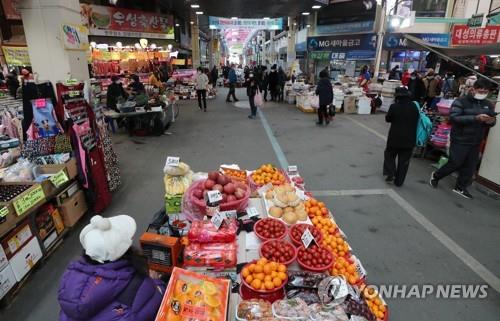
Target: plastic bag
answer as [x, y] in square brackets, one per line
[258, 100]
[218, 255]
[206, 232]
[22, 171]
[291, 309]
[180, 170]
[314, 101]
[322, 313]
[254, 309]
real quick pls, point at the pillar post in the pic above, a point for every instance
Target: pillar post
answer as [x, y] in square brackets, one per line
[42, 21]
[195, 42]
[290, 50]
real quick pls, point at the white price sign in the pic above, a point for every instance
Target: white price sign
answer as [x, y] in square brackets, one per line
[307, 238]
[252, 212]
[217, 220]
[232, 214]
[293, 169]
[214, 196]
[172, 161]
[360, 269]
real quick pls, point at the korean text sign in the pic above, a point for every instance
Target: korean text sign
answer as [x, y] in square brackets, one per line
[120, 22]
[462, 35]
[342, 42]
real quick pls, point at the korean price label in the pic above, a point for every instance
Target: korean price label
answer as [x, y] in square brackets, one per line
[214, 196]
[307, 238]
[4, 211]
[360, 269]
[217, 220]
[252, 212]
[230, 215]
[59, 178]
[25, 202]
[172, 161]
[292, 169]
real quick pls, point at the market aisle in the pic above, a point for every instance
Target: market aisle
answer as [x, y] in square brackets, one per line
[345, 156]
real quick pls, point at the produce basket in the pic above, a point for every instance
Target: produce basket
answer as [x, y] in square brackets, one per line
[254, 186]
[287, 243]
[263, 238]
[278, 289]
[235, 174]
[197, 208]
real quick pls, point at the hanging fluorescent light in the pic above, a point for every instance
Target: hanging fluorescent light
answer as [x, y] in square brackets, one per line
[93, 44]
[195, 6]
[177, 25]
[305, 13]
[199, 12]
[119, 44]
[153, 46]
[169, 47]
[137, 45]
[266, 18]
[234, 18]
[316, 7]
[308, 26]
[192, 22]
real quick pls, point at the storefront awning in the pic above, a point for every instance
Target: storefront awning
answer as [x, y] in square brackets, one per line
[447, 53]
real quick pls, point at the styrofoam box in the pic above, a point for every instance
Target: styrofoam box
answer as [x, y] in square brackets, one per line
[3, 258]
[7, 280]
[26, 258]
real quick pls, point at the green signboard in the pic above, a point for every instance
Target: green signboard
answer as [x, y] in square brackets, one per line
[320, 55]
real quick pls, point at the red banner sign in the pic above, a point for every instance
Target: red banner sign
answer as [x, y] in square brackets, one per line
[119, 22]
[462, 35]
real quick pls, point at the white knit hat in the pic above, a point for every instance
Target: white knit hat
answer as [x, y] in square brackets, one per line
[107, 239]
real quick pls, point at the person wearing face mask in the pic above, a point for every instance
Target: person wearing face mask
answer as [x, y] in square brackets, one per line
[431, 89]
[416, 87]
[201, 88]
[470, 116]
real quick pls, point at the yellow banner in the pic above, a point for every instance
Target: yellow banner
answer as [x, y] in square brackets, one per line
[16, 56]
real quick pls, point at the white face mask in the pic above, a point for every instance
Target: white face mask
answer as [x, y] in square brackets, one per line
[480, 96]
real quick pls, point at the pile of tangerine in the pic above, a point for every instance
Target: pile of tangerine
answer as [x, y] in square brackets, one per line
[239, 174]
[264, 275]
[268, 174]
[345, 267]
[314, 208]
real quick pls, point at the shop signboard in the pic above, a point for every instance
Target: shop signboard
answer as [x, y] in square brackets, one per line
[319, 55]
[462, 35]
[120, 22]
[395, 41]
[349, 27]
[261, 24]
[16, 56]
[342, 43]
[10, 9]
[75, 37]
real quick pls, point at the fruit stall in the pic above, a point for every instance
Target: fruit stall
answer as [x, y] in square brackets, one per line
[237, 244]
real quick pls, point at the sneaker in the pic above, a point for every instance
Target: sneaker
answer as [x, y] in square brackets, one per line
[463, 192]
[236, 100]
[433, 181]
[319, 123]
[389, 179]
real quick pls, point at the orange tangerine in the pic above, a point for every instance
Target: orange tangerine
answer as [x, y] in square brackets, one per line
[258, 269]
[256, 284]
[269, 285]
[259, 276]
[245, 272]
[249, 279]
[282, 275]
[277, 282]
[281, 268]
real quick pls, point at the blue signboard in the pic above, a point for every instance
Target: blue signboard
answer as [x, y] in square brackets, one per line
[350, 27]
[343, 43]
[398, 41]
[300, 47]
[228, 23]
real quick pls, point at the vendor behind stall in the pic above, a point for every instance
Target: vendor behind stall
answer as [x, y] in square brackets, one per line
[136, 87]
[155, 79]
[115, 93]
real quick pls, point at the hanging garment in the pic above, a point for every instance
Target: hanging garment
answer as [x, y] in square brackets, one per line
[44, 119]
[99, 181]
[34, 91]
[110, 158]
[79, 130]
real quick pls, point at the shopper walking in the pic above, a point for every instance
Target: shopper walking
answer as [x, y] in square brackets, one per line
[416, 87]
[282, 78]
[395, 73]
[264, 83]
[403, 116]
[470, 117]
[110, 281]
[201, 88]
[252, 88]
[405, 79]
[12, 83]
[155, 79]
[214, 75]
[431, 89]
[274, 83]
[232, 79]
[450, 88]
[364, 78]
[325, 92]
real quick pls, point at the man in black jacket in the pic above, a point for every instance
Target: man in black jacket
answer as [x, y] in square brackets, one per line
[403, 116]
[470, 117]
[325, 92]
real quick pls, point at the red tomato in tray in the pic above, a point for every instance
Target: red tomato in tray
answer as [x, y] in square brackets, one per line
[279, 251]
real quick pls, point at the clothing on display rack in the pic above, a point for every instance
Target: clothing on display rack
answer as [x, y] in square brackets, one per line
[110, 157]
[32, 90]
[44, 122]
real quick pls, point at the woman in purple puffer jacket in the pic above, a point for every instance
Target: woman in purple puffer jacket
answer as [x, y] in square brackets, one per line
[108, 283]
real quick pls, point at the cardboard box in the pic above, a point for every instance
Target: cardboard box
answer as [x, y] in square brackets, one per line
[26, 258]
[73, 208]
[7, 280]
[67, 193]
[16, 239]
[350, 105]
[69, 169]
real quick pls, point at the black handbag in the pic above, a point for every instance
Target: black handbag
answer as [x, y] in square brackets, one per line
[331, 110]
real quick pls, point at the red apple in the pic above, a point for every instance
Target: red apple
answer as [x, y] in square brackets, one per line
[213, 176]
[231, 198]
[198, 193]
[229, 188]
[218, 187]
[209, 184]
[223, 180]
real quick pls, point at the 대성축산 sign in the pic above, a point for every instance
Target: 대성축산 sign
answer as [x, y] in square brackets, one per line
[28, 200]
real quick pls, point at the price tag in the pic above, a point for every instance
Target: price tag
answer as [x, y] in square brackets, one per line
[232, 214]
[293, 169]
[40, 103]
[252, 212]
[3, 212]
[214, 196]
[262, 191]
[307, 238]
[28, 200]
[172, 161]
[74, 93]
[59, 178]
[360, 269]
[217, 219]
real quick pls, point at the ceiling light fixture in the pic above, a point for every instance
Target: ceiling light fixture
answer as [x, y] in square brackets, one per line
[234, 18]
[305, 13]
[177, 25]
[195, 6]
[316, 7]
[199, 12]
[192, 22]
[308, 26]
[266, 18]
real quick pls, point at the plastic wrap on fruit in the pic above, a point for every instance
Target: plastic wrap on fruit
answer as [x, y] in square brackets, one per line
[180, 170]
[292, 309]
[357, 307]
[309, 296]
[218, 255]
[206, 232]
[254, 309]
[322, 313]
[301, 279]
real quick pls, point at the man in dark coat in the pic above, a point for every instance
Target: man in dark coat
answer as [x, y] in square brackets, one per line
[403, 116]
[325, 92]
[470, 117]
[273, 81]
[416, 87]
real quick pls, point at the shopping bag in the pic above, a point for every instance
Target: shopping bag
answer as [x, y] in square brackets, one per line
[258, 100]
[314, 102]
